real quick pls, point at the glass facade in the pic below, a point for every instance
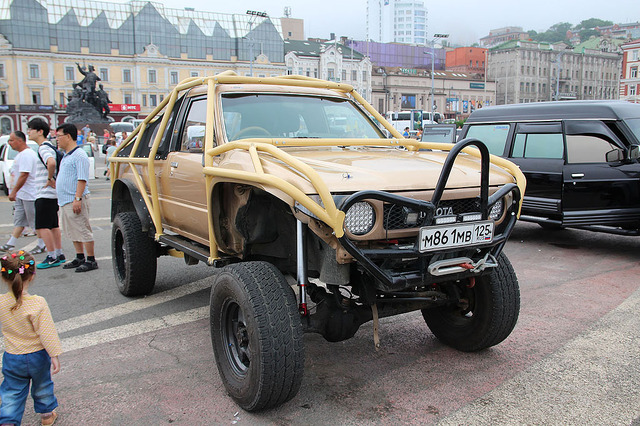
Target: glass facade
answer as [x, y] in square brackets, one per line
[98, 27]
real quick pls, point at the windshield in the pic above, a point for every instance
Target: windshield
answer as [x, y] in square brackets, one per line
[294, 116]
[634, 125]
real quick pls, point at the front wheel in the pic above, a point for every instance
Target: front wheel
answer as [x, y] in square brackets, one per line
[134, 256]
[487, 314]
[256, 335]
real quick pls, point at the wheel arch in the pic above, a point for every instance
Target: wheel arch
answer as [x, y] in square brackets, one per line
[125, 196]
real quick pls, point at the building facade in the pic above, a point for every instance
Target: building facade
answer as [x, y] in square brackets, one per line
[630, 80]
[503, 35]
[456, 95]
[468, 60]
[329, 61]
[140, 49]
[397, 21]
[527, 71]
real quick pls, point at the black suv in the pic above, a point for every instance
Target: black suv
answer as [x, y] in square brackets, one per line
[580, 159]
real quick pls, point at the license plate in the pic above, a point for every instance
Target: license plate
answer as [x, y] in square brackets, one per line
[455, 235]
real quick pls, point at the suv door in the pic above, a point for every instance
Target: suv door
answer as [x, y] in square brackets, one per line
[595, 191]
[538, 149]
[185, 200]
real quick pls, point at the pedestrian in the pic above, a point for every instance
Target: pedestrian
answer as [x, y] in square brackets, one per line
[23, 191]
[46, 205]
[406, 132]
[419, 134]
[86, 132]
[73, 199]
[110, 150]
[31, 342]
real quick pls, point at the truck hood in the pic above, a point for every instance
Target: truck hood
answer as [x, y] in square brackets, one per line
[353, 169]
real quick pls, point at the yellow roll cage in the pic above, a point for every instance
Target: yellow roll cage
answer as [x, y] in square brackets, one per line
[325, 210]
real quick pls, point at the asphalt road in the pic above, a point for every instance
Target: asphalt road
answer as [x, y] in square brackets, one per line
[573, 357]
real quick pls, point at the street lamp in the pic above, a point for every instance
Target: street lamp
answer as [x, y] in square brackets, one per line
[433, 60]
[254, 15]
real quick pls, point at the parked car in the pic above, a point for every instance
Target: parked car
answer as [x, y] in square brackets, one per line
[88, 148]
[7, 155]
[580, 159]
[278, 180]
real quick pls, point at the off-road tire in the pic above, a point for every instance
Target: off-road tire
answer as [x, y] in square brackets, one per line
[134, 256]
[494, 305]
[256, 335]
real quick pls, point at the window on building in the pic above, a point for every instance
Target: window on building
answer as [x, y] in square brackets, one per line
[315, 72]
[128, 98]
[354, 75]
[35, 97]
[331, 74]
[3, 97]
[195, 73]
[69, 73]
[344, 75]
[126, 75]
[634, 54]
[63, 98]
[144, 100]
[153, 100]
[161, 98]
[152, 76]
[308, 73]
[2, 71]
[632, 90]
[173, 75]
[34, 71]
[104, 74]
[634, 72]
[364, 76]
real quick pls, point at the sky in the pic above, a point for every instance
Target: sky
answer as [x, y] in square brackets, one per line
[465, 21]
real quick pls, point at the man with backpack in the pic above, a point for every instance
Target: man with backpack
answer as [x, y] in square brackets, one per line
[47, 226]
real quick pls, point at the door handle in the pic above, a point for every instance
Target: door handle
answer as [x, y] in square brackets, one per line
[577, 175]
[174, 164]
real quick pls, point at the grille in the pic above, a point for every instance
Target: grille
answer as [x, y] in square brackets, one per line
[395, 215]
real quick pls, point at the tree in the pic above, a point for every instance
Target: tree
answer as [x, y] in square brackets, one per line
[592, 23]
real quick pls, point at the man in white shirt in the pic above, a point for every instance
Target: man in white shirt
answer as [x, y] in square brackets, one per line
[23, 192]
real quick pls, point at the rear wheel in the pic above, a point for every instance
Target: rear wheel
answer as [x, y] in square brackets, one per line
[256, 335]
[134, 256]
[486, 317]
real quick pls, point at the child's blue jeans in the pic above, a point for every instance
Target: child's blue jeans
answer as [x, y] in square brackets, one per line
[18, 371]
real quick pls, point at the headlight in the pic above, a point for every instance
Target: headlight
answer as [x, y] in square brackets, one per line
[496, 210]
[360, 218]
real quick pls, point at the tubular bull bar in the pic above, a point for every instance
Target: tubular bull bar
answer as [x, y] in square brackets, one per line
[433, 270]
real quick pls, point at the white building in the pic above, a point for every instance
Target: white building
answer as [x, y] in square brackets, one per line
[397, 21]
[329, 61]
[630, 82]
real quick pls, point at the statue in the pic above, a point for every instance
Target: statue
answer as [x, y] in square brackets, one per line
[86, 104]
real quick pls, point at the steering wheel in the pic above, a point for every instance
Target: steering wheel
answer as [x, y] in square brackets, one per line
[250, 129]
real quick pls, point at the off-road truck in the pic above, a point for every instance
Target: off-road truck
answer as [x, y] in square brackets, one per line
[316, 221]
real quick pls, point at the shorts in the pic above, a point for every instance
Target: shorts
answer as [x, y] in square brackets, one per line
[76, 226]
[47, 213]
[24, 213]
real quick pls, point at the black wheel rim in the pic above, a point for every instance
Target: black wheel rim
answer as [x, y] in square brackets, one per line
[120, 255]
[235, 338]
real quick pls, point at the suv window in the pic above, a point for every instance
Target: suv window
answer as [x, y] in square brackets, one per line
[587, 149]
[493, 135]
[634, 125]
[538, 145]
[193, 132]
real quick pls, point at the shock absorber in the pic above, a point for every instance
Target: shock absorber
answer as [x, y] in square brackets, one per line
[301, 259]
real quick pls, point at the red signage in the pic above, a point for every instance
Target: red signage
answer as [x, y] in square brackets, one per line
[124, 107]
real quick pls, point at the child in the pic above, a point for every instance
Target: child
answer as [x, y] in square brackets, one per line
[31, 342]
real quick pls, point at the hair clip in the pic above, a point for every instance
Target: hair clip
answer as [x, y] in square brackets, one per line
[2, 270]
[21, 252]
[9, 271]
[4, 257]
[31, 262]
[21, 258]
[26, 266]
[21, 270]
[14, 255]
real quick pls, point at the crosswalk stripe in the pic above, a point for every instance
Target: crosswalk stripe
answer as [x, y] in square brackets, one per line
[132, 306]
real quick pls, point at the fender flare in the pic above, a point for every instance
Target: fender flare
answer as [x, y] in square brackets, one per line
[125, 196]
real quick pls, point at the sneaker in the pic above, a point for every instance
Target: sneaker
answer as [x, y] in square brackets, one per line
[38, 250]
[6, 247]
[48, 262]
[48, 421]
[73, 264]
[88, 265]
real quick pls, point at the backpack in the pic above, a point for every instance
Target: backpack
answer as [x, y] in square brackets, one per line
[59, 155]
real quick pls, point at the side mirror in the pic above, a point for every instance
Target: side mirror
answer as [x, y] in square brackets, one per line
[634, 152]
[614, 155]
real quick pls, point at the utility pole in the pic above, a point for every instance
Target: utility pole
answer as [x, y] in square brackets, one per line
[253, 16]
[433, 60]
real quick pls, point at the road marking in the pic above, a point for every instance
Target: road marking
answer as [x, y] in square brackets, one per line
[132, 306]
